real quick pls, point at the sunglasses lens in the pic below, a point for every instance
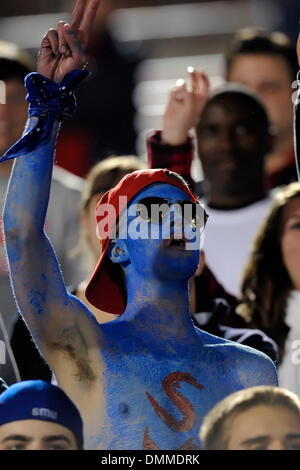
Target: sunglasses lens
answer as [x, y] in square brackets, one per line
[194, 214]
[153, 209]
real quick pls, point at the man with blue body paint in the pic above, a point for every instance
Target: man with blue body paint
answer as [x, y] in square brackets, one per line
[145, 380]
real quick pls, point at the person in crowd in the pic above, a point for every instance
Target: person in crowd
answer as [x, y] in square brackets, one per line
[266, 62]
[271, 284]
[117, 373]
[213, 314]
[233, 134]
[35, 415]
[257, 418]
[207, 312]
[64, 204]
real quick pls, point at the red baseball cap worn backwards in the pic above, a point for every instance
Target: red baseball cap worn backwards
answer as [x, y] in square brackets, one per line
[106, 289]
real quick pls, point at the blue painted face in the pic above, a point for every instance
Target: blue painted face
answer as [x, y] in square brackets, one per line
[165, 248]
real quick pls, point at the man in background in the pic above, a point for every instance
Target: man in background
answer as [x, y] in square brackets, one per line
[266, 62]
[233, 139]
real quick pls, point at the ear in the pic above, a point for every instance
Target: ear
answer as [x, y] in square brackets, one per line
[117, 251]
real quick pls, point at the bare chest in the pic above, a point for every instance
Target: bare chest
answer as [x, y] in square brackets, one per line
[155, 403]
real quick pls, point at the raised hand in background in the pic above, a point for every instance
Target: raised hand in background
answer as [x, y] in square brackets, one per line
[184, 108]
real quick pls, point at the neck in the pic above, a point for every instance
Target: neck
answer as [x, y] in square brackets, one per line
[159, 310]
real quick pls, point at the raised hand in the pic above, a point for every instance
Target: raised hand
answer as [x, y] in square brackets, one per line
[184, 108]
[298, 50]
[63, 49]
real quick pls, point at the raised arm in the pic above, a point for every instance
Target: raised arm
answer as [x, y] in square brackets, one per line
[62, 326]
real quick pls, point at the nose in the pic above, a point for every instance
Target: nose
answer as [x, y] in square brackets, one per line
[225, 141]
[276, 444]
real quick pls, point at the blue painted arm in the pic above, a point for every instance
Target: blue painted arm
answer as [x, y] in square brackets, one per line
[57, 320]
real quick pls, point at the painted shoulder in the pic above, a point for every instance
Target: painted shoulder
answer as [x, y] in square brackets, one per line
[249, 366]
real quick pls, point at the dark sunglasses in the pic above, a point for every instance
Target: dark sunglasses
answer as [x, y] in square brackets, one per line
[155, 209]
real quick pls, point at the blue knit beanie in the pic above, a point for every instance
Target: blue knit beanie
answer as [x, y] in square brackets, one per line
[36, 399]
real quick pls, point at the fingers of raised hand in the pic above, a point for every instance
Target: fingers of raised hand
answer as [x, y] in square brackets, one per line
[62, 43]
[74, 45]
[78, 13]
[204, 87]
[83, 18]
[50, 41]
[88, 19]
[199, 81]
[179, 93]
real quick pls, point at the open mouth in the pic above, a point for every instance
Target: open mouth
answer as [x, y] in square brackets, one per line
[177, 241]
